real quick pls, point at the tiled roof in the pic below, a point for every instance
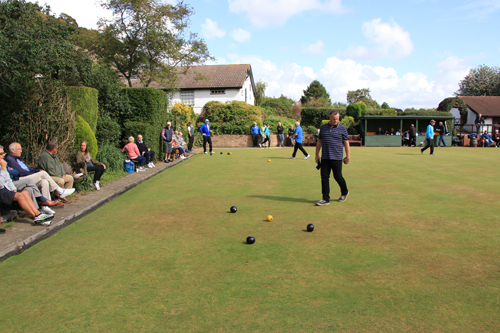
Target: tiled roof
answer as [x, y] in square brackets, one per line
[209, 76]
[488, 106]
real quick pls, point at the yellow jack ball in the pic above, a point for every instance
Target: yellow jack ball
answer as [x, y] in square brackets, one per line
[269, 218]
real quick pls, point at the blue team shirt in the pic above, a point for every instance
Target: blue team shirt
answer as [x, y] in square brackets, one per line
[254, 130]
[332, 141]
[205, 130]
[430, 132]
[300, 136]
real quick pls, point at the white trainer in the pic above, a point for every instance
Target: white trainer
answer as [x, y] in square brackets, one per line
[46, 210]
[66, 192]
[307, 157]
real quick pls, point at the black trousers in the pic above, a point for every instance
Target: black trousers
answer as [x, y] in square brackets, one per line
[255, 139]
[99, 170]
[430, 143]
[149, 155]
[412, 141]
[191, 141]
[297, 147]
[205, 140]
[267, 139]
[327, 166]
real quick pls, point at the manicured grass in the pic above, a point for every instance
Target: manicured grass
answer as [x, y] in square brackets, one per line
[416, 247]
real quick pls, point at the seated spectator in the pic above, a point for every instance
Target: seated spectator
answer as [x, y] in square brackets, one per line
[87, 164]
[387, 132]
[41, 178]
[49, 162]
[176, 144]
[134, 154]
[392, 132]
[146, 152]
[496, 138]
[380, 132]
[398, 132]
[487, 138]
[9, 194]
[35, 194]
[183, 143]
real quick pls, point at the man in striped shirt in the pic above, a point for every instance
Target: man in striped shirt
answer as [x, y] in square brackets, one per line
[332, 140]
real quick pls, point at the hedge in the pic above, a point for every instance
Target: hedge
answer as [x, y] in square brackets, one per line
[83, 132]
[356, 110]
[149, 114]
[314, 116]
[233, 117]
[84, 102]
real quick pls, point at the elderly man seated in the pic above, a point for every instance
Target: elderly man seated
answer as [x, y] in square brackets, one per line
[49, 162]
[41, 178]
[9, 194]
[146, 152]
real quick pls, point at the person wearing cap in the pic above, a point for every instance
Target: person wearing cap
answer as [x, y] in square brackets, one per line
[254, 131]
[167, 135]
[429, 137]
[205, 132]
[191, 136]
[266, 136]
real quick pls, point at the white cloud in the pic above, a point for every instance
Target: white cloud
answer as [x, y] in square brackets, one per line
[314, 48]
[339, 75]
[85, 12]
[276, 12]
[386, 39]
[211, 30]
[477, 9]
[241, 35]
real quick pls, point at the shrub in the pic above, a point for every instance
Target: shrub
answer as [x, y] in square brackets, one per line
[84, 103]
[356, 110]
[273, 121]
[233, 117]
[83, 132]
[314, 116]
[148, 106]
[311, 129]
[151, 134]
[108, 131]
[348, 122]
[278, 106]
[111, 156]
[181, 115]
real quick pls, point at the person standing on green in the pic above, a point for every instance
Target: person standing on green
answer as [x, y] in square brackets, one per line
[429, 137]
[265, 134]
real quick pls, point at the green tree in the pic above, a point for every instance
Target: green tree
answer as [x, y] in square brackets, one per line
[149, 39]
[385, 106]
[481, 81]
[316, 92]
[279, 106]
[260, 92]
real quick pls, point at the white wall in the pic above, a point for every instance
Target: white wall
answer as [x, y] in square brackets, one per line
[471, 117]
[203, 96]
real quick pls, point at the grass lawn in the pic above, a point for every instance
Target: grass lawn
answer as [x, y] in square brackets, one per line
[416, 247]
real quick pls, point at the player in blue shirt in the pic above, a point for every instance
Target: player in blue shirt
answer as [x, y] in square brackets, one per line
[429, 137]
[298, 135]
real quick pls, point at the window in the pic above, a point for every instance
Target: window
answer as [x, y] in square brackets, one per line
[217, 92]
[187, 97]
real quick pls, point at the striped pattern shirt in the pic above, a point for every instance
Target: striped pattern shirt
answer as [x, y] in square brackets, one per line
[332, 141]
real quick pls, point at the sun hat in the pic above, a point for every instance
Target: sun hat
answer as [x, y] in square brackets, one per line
[169, 123]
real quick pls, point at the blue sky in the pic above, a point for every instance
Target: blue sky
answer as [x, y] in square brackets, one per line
[410, 53]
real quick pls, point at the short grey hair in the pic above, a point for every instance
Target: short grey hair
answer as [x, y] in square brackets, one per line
[297, 123]
[333, 112]
[12, 146]
[51, 145]
[1, 147]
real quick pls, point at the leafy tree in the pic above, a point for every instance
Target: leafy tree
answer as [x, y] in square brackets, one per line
[181, 115]
[279, 106]
[149, 39]
[316, 92]
[356, 110]
[338, 105]
[385, 106]
[481, 81]
[260, 92]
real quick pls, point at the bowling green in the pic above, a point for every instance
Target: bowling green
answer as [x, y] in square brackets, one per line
[416, 247]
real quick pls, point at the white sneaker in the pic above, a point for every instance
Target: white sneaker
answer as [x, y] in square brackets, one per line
[42, 219]
[77, 175]
[46, 210]
[206, 153]
[292, 157]
[307, 157]
[154, 166]
[97, 185]
[182, 157]
[143, 169]
[66, 192]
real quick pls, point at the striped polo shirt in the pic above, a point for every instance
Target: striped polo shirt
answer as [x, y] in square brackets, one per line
[332, 141]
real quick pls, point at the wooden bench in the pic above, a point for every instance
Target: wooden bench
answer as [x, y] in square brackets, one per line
[310, 139]
[355, 138]
[371, 133]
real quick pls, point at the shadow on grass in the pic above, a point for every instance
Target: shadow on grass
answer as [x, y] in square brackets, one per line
[276, 198]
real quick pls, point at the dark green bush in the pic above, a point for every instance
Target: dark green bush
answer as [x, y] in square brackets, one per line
[233, 117]
[314, 116]
[148, 106]
[311, 129]
[84, 103]
[108, 131]
[356, 110]
[83, 132]
[111, 156]
[278, 106]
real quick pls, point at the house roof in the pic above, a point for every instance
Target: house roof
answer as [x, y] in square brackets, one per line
[488, 106]
[210, 76]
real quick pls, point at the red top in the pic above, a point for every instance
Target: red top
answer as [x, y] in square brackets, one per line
[132, 150]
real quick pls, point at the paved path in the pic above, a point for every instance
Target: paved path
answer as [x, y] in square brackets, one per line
[24, 233]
